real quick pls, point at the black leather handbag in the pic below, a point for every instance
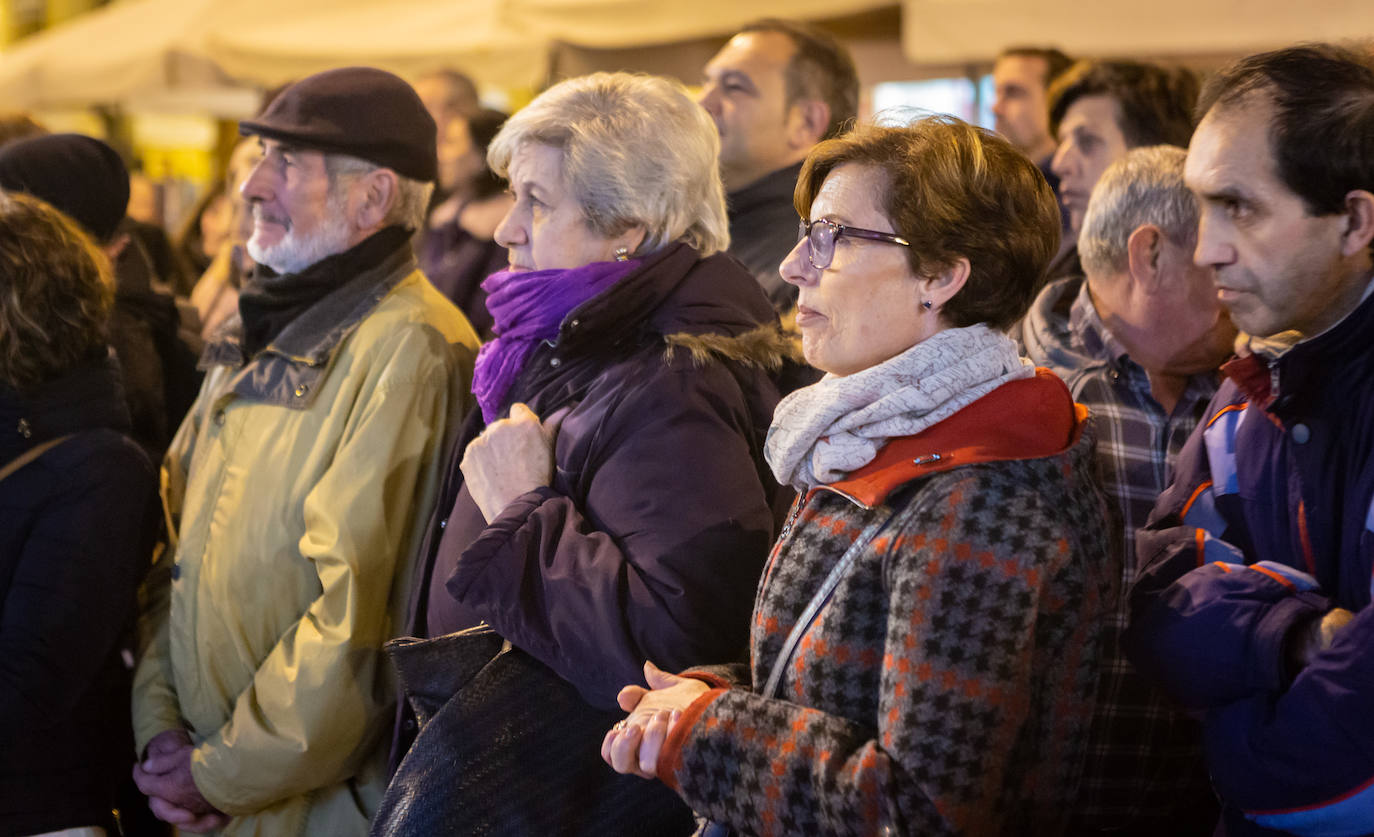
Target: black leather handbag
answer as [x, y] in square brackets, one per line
[507, 747]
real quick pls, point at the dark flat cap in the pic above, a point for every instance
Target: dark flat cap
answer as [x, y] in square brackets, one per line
[81, 176]
[359, 111]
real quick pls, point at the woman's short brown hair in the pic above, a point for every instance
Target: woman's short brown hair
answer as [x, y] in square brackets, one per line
[55, 293]
[954, 190]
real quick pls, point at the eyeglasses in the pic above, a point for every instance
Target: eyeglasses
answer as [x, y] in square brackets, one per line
[821, 236]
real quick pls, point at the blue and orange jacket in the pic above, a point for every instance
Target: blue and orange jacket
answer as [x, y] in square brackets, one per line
[1269, 524]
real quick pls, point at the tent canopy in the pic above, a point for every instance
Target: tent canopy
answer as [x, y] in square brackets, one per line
[189, 51]
[952, 33]
[115, 53]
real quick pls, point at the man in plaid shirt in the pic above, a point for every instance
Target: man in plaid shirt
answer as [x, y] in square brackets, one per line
[1138, 340]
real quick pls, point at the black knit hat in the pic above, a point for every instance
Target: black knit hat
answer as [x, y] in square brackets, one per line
[81, 176]
[359, 111]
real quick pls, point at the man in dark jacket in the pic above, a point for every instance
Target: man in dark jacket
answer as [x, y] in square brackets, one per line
[775, 90]
[1138, 341]
[1254, 607]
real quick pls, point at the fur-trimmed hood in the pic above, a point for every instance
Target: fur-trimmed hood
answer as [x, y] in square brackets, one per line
[766, 347]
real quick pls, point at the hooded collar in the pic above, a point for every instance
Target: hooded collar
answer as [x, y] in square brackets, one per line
[1046, 334]
[1029, 418]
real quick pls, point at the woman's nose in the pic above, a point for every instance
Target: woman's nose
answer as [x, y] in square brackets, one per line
[796, 266]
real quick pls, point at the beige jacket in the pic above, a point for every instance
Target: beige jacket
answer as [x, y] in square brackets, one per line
[297, 488]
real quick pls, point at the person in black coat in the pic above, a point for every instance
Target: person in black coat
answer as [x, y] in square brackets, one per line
[78, 515]
[86, 180]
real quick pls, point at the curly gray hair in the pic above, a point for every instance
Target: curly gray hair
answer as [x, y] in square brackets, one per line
[637, 151]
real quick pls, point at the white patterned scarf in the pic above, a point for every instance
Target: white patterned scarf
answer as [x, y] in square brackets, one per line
[837, 425]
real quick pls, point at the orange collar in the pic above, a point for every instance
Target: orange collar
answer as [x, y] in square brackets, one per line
[1024, 419]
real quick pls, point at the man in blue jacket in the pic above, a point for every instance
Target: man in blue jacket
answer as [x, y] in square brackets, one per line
[1254, 605]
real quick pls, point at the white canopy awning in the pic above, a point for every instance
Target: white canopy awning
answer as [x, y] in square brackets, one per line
[958, 32]
[407, 37]
[184, 52]
[133, 50]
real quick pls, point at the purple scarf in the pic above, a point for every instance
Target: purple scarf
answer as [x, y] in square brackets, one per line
[529, 306]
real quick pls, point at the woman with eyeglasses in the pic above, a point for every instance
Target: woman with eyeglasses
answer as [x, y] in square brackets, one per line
[925, 637]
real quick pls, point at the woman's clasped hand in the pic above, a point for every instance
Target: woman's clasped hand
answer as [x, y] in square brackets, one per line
[633, 745]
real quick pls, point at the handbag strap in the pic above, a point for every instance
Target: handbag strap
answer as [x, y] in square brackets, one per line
[31, 454]
[789, 647]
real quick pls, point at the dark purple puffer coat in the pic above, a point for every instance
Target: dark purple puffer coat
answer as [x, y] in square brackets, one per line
[650, 541]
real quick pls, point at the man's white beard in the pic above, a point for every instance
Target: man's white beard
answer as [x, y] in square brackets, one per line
[293, 255]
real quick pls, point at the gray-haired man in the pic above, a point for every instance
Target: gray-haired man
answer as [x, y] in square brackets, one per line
[1139, 341]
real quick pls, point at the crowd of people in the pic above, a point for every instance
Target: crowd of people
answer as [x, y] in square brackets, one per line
[650, 463]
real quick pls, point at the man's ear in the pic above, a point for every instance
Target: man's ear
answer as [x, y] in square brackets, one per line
[381, 189]
[1359, 231]
[1144, 251]
[808, 120]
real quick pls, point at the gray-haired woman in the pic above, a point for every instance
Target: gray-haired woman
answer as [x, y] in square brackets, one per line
[612, 503]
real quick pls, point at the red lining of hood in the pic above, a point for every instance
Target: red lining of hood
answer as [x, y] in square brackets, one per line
[1028, 418]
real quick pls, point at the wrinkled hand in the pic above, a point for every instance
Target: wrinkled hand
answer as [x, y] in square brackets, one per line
[164, 776]
[633, 745]
[512, 456]
[1315, 637]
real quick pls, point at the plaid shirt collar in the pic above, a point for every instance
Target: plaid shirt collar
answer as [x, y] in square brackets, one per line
[1097, 341]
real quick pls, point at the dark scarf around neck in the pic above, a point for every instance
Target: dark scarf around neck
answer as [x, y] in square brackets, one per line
[269, 302]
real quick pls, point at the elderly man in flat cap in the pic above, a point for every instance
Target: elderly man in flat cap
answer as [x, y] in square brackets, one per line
[302, 479]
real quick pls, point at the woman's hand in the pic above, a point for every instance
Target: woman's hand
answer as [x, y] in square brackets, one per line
[633, 745]
[512, 456]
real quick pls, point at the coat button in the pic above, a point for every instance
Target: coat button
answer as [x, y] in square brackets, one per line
[555, 363]
[1301, 434]
[443, 524]
[301, 390]
[574, 324]
[219, 417]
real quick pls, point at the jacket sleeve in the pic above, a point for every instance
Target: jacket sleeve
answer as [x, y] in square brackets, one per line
[319, 701]
[1209, 625]
[72, 594]
[1196, 522]
[964, 619]
[659, 562]
[1299, 756]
